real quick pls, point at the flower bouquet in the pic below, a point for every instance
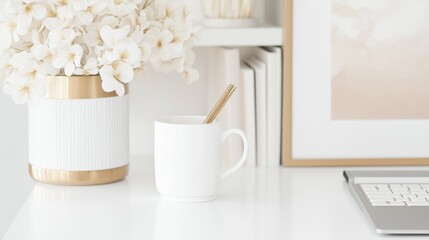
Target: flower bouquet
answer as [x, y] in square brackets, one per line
[113, 38]
[71, 60]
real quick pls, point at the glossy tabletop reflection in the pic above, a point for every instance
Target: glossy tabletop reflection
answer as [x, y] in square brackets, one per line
[276, 203]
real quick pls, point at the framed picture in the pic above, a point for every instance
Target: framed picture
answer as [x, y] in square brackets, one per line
[356, 85]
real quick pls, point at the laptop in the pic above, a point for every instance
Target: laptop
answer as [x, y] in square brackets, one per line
[396, 202]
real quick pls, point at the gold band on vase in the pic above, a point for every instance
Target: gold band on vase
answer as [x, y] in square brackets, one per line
[77, 87]
[78, 178]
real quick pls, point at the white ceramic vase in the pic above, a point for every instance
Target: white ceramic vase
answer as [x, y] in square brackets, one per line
[78, 134]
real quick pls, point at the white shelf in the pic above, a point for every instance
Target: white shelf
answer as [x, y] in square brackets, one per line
[265, 35]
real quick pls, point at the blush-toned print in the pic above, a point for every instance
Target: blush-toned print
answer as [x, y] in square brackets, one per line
[380, 59]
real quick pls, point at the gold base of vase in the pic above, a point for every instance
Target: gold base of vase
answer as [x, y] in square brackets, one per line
[78, 178]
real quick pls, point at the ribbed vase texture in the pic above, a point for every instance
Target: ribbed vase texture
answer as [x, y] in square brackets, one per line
[79, 134]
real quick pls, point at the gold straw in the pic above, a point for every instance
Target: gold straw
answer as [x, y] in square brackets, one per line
[220, 104]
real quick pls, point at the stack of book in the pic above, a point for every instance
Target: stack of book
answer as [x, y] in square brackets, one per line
[256, 106]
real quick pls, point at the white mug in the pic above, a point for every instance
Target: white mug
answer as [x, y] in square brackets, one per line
[188, 158]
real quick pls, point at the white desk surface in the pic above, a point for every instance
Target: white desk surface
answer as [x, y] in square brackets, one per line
[277, 203]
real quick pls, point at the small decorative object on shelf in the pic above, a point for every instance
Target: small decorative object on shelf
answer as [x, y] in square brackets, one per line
[71, 62]
[229, 13]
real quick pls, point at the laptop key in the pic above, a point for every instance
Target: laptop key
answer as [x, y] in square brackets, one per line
[378, 198]
[418, 203]
[397, 194]
[402, 199]
[379, 203]
[386, 203]
[396, 203]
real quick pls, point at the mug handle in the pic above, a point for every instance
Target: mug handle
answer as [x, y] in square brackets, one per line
[243, 159]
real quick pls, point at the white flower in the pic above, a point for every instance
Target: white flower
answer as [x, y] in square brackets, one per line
[144, 45]
[121, 8]
[43, 54]
[23, 62]
[26, 11]
[93, 36]
[59, 17]
[190, 74]
[40, 51]
[180, 34]
[88, 9]
[61, 38]
[130, 20]
[68, 58]
[161, 43]
[5, 68]
[143, 21]
[146, 51]
[25, 83]
[6, 40]
[8, 31]
[164, 9]
[24, 90]
[64, 9]
[118, 47]
[125, 51]
[47, 69]
[25, 67]
[90, 6]
[194, 35]
[90, 68]
[114, 77]
[184, 15]
[175, 64]
[112, 36]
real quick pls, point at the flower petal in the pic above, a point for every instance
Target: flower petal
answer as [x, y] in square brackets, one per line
[40, 51]
[128, 52]
[165, 54]
[59, 61]
[69, 69]
[146, 51]
[126, 73]
[5, 39]
[109, 21]
[91, 67]
[47, 69]
[191, 75]
[91, 63]
[86, 18]
[80, 5]
[109, 83]
[38, 11]
[23, 22]
[92, 39]
[79, 72]
[69, 35]
[107, 35]
[52, 23]
[99, 6]
[166, 36]
[77, 51]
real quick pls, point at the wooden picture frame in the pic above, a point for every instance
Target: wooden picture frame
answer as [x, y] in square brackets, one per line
[287, 157]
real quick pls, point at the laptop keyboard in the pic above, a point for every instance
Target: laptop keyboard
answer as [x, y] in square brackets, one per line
[397, 194]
